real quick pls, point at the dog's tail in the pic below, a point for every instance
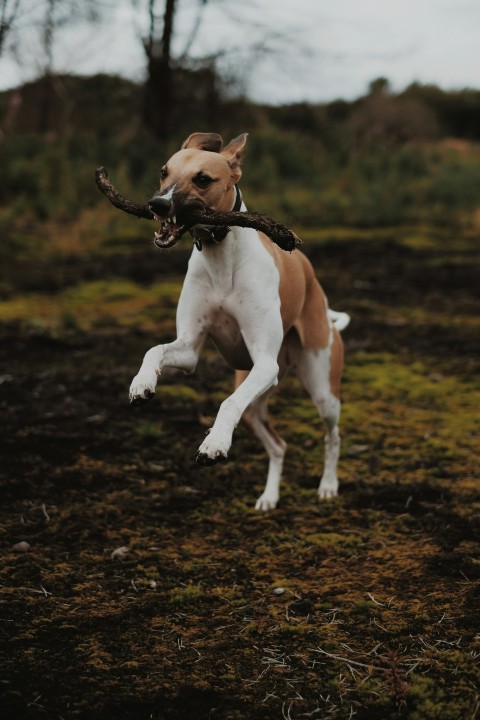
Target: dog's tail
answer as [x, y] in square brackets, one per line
[340, 320]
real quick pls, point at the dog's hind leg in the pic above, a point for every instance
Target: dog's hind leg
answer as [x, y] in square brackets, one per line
[256, 419]
[320, 372]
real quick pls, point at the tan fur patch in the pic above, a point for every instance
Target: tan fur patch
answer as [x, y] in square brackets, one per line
[303, 303]
[186, 164]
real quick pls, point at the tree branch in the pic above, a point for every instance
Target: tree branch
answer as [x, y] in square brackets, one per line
[132, 208]
[278, 233]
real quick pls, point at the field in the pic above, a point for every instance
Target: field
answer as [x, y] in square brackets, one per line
[364, 607]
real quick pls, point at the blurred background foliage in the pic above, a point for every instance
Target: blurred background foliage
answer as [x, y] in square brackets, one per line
[382, 160]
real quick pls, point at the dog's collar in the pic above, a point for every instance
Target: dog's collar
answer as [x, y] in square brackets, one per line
[214, 235]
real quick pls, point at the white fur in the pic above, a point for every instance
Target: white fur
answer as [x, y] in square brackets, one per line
[340, 319]
[169, 194]
[231, 293]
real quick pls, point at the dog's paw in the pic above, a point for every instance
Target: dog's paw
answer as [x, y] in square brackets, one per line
[328, 489]
[204, 459]
[142, 388]
[212, 451]
[266, 502]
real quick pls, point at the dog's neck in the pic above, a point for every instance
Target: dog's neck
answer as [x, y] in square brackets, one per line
[204, 235]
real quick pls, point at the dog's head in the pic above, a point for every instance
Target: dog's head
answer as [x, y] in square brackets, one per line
[199, 176]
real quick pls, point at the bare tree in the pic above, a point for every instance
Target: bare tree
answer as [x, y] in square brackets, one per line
[36, 24]
[8, 15]
[51, 17]
[193, 79]
[55, 15]
[158, 88]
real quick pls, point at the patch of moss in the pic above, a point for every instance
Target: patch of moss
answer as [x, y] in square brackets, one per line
[186, 596]
[94, 304]
[93, 654]
[332, 539]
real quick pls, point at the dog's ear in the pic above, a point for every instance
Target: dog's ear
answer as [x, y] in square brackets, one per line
[234, 153]
[204, 141]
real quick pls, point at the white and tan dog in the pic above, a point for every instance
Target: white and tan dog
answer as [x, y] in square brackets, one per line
[262, 307]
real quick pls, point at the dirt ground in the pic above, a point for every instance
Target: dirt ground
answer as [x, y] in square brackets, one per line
[363, 607]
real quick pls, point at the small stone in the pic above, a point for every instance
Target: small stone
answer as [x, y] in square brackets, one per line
[156, 468]
[185, 491]
[99, 418]
[120, 553]
[22, 547]
[279, 591]
[153, 584]
[357, 449]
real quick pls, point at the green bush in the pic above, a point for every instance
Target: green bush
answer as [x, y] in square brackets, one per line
[305, 165]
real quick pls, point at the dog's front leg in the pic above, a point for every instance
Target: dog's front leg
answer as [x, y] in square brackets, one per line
[216, 445]
[261, 326]
[182, 354]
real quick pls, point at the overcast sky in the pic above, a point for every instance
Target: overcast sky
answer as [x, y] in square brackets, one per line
[321, 50]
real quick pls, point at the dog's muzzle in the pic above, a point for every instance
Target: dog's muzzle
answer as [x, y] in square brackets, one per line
[170, 230]
[175, 221]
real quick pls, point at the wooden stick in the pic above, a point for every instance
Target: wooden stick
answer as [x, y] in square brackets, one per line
[132, 208]
[278, 233]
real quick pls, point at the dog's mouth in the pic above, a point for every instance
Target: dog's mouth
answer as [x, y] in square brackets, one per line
[171, 230]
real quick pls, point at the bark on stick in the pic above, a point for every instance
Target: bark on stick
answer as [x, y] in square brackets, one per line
[278, 233]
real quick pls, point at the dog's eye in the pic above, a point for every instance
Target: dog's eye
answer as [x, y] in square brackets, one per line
[202, 181]
[163, 173]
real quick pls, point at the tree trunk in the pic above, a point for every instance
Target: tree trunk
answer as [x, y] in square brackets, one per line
[158, 88]
[47, 80]
[7, 18]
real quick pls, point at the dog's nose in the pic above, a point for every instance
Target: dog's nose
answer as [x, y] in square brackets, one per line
[160, 205]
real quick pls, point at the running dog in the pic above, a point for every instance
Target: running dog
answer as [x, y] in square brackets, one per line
[263, 308]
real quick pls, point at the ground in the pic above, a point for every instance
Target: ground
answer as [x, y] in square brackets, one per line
[362, 607]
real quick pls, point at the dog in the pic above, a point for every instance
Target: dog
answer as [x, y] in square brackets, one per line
[263, 308]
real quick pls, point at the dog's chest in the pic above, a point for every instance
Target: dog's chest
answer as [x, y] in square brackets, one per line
[224, 330]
